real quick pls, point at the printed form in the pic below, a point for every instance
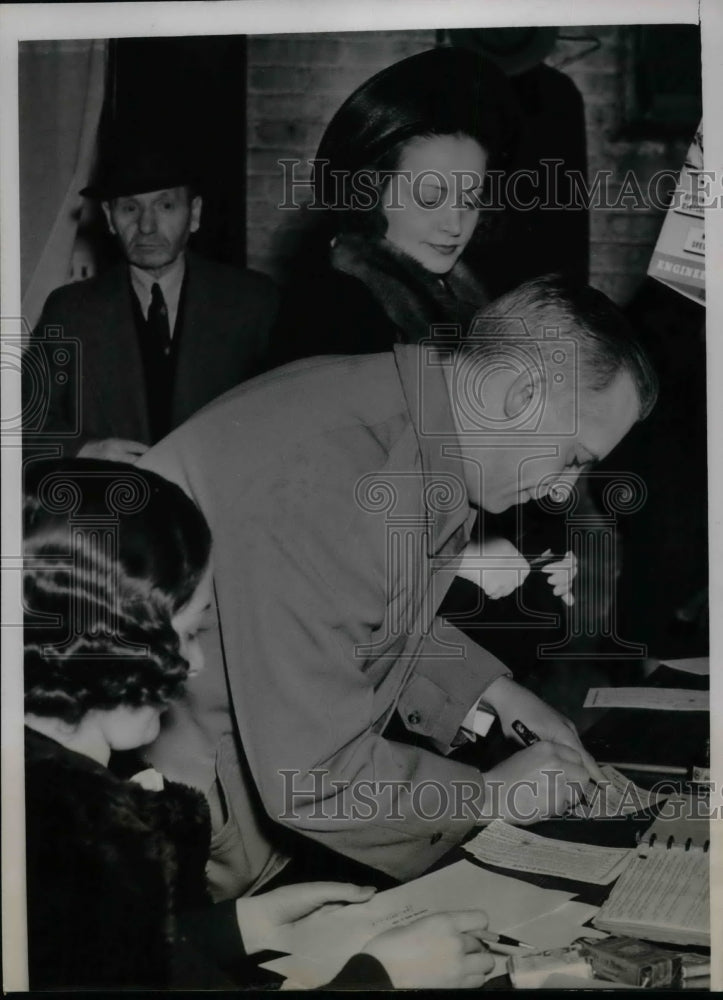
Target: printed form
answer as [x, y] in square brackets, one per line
[512, 847]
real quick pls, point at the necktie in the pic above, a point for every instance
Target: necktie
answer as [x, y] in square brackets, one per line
[158, 324]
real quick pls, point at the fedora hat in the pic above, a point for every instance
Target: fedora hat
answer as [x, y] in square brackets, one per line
[135, 169]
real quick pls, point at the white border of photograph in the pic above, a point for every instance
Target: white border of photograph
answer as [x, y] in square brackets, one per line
[112, 20]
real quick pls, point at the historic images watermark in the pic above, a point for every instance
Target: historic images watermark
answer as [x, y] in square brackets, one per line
[50, 366]
[330, 799]
[549, 187]
[83, 549]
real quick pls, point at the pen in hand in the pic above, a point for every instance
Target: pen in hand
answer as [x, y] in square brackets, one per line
[539, 562]
[503, 940]
[525, 734]
[529, 739]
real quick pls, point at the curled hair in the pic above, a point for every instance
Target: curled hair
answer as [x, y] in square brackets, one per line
[112, 552]
[605, 340]
[443, 91]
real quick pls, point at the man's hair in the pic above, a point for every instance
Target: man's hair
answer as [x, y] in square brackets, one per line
[99, 601]
[552, 309]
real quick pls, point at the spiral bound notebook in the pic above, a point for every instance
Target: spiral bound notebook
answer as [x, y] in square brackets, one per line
[664, 893]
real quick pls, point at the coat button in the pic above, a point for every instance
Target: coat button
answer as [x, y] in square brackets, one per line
[414, 718]
[435, 838]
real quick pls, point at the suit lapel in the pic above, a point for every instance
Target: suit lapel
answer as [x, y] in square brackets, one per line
[190, 331]
[121, 387]
[449, 510]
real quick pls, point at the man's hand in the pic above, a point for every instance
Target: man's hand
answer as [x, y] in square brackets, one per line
[261, 916]
[495, 565]
[114, 450]
[542, 781]
[511, 701]
[440, 951]
[561, 575]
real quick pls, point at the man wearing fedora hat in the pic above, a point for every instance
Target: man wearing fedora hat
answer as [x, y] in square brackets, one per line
[161, 333]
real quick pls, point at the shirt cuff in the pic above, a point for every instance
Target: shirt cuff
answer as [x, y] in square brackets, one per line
[477, 722]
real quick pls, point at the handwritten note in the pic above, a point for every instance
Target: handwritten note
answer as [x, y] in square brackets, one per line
[511, 847]
[669, 699]
[664, 895]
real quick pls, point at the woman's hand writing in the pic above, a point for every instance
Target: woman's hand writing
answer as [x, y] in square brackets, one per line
[440, 951]
[260, 917]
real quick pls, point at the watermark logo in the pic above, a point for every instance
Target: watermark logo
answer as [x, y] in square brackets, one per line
[49, 363]
[316, 796]
[547, 187]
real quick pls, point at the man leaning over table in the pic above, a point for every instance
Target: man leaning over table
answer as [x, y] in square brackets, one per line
[341, 493]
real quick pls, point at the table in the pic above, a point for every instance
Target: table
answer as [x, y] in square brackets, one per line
[639, 736]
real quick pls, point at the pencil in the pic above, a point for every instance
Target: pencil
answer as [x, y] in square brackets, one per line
[492, 937]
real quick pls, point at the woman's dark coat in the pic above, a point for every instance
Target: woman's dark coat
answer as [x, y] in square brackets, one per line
[366, 297]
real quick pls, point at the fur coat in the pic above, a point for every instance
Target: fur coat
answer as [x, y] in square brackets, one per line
[368, 297]
[109, 867]
[116, 885]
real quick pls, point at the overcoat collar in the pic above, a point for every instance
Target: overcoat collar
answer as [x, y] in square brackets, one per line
[445, 490]
[414, 299]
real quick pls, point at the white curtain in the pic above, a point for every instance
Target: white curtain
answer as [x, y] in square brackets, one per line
[61, 88]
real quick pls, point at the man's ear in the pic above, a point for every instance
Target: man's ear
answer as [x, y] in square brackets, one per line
[523, 392]
[196, 207]
[108, 216]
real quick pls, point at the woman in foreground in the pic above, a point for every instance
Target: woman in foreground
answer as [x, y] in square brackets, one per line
[117, 587]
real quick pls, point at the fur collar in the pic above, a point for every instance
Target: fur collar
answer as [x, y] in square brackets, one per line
[412, 297]
[147, 849]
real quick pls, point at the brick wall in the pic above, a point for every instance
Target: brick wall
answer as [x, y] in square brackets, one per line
[296, 83]
[621, 238]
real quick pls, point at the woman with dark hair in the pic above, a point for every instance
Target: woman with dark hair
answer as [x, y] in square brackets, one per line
[117, 587]
[401, 176]
[398, 186]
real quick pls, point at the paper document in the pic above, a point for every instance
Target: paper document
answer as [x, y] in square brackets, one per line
[664, 895]
[560, 928]
[550, 930]
[321, 944]
[679, 256]
[617, 796]
[560, 981]
[699, 665]
[512, 847]
[671, 699]
[682, 820]
[304, 974]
